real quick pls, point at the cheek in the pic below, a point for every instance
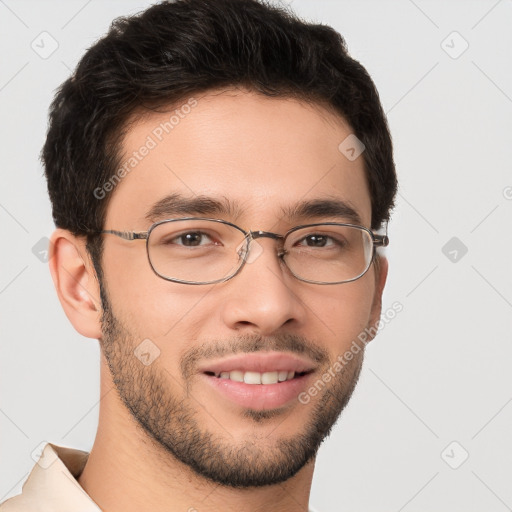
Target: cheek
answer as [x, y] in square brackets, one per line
[146, 304]
[171, 315]
[345, 312]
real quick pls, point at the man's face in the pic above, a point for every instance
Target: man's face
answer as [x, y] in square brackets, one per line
[262, 154]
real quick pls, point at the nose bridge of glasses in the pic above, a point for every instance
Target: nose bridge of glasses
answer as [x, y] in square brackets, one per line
[261, 234]
[254, 235]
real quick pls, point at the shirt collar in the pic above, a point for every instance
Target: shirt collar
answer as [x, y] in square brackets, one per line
[52, 483]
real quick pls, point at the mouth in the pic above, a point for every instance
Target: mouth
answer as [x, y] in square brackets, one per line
[265, 378]
[259, 381]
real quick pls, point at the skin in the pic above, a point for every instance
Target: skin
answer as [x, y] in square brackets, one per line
[265, 153]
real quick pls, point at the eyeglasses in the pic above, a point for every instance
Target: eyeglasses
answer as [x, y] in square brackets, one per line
[195, 250]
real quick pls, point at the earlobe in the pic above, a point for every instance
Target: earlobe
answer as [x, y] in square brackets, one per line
[75, 282]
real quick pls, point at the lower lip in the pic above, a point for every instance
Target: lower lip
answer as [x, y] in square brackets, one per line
[259, 396]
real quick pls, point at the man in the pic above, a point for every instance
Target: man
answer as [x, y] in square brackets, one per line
[218, 171]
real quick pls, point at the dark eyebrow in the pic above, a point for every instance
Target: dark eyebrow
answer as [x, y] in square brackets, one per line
[321, 208]
[177, 204]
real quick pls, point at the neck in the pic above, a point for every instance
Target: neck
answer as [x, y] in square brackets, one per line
[127, 471]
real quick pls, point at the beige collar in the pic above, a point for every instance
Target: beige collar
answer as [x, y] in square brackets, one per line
[52, 484]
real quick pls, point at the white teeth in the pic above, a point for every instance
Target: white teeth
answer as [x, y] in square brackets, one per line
[252, 378]
[257, 377]
[269, 378]
[236, 375]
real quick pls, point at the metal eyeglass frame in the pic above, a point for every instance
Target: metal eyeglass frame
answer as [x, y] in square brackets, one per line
[377, 241]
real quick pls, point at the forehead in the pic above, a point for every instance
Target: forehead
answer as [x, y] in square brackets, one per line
[259, 156]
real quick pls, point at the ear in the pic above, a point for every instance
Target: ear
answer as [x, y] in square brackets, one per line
[381, 274]
[76, 283]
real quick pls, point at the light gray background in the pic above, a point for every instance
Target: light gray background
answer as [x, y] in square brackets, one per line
[438, 373]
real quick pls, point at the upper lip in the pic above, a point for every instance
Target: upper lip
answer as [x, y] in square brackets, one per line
[259, 362]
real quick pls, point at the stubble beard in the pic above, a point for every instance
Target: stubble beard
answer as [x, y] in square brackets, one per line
[172, 422]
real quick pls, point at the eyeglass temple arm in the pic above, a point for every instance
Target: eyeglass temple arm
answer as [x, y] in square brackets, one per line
[380, 240]
[127, 235]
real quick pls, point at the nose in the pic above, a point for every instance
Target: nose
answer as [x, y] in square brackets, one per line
[263, 296]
